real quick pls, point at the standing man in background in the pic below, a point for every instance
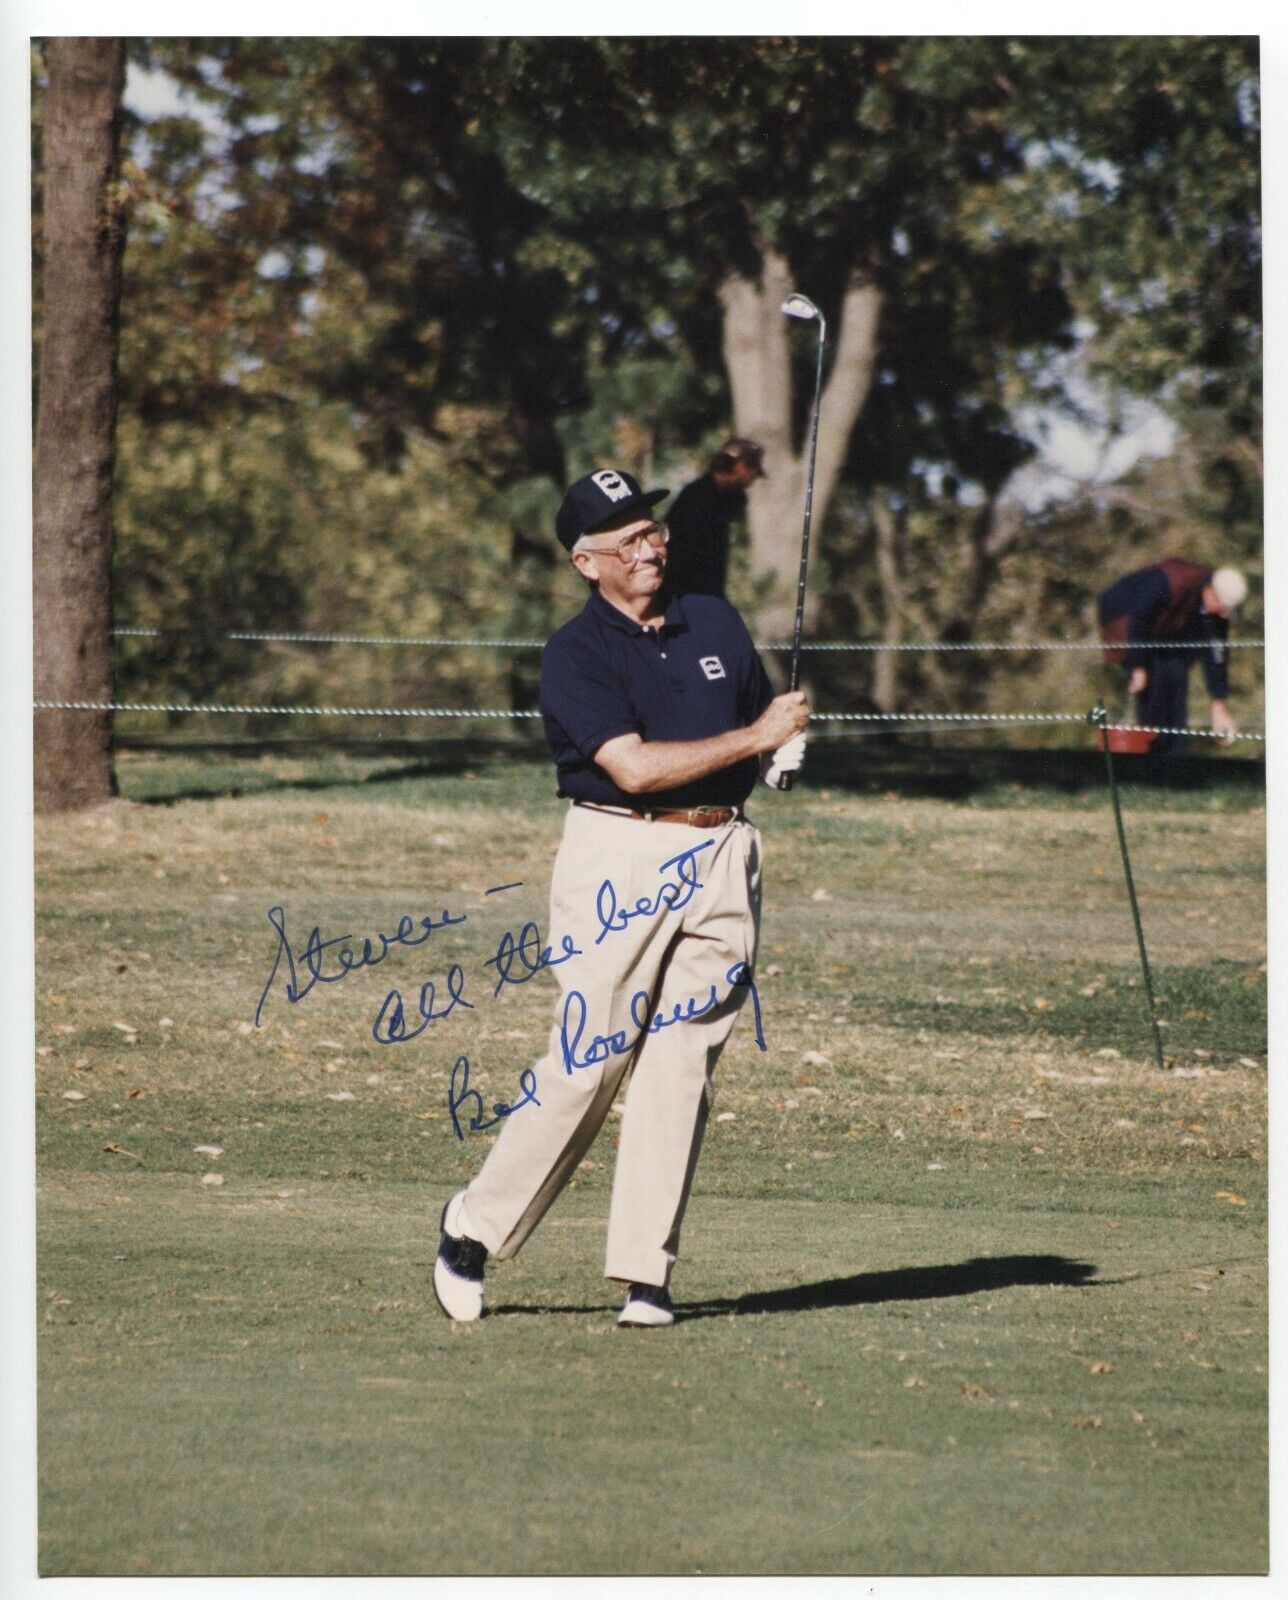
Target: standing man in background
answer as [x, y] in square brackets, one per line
[660, 718]
[699, 519]
[1172, 602]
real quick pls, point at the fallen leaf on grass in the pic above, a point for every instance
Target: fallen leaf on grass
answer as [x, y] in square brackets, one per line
[137, 1094]
[72, 1094]
[1041, 1003]
[974, 1391]
[120, 1150]
[1102, 1366]
[212, 1180]
[341, 1094]
[1228, 1195]
[1084, 1422]
[724, 1116]
[125, 1027]
[912, 1381]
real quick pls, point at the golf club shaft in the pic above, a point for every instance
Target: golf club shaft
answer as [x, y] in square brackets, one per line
[794, 675]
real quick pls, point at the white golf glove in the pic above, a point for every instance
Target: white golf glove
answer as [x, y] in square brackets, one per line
[789, 757]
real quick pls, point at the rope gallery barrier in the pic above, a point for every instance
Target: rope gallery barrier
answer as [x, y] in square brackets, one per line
[920, 719]
[822, 646]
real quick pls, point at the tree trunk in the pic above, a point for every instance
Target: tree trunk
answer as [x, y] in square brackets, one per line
[757, 357]
[534, 557]
[75, 422]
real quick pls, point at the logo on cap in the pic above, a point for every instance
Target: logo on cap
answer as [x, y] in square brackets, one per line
[611, 484]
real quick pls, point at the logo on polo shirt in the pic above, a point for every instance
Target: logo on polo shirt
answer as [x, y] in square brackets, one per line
[611, 484]
[712, 666]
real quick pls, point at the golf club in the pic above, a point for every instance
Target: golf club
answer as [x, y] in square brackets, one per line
[804, 310]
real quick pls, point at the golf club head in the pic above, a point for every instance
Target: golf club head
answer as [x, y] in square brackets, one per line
[796, 305]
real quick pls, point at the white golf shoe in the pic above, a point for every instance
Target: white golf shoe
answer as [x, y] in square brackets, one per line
[458, 1268]
[647, 1306]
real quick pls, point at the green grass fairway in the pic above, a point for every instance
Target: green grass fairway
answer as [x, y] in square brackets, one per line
[967, 1284]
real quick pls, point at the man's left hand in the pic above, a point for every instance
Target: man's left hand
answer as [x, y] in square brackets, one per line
[789, 757]
[1222, 721]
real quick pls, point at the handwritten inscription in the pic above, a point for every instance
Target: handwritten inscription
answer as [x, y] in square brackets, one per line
[460, 1094]
[529, 954]
[520, 956]
[672, 896]
[391, 1019]
[346, 959]
[572, 1026]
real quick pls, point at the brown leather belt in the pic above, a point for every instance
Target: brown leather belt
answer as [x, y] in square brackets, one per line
[698, 817]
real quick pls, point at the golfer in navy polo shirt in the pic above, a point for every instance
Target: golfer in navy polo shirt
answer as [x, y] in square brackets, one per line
[660, 718]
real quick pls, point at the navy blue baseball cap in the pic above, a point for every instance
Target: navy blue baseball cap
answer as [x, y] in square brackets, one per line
[598, 498]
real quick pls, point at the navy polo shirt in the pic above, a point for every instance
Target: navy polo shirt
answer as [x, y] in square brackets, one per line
[603, 675]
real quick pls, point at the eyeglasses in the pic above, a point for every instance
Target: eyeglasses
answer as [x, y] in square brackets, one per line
[631, 547]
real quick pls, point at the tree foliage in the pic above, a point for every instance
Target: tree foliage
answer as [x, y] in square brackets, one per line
[384, 296]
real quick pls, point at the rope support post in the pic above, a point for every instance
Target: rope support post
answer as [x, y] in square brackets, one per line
[1099, 718]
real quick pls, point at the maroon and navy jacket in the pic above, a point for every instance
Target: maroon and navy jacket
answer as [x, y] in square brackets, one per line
[1163, 604]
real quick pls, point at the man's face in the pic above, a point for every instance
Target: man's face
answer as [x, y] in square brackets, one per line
[1212, 602]
[628, 580]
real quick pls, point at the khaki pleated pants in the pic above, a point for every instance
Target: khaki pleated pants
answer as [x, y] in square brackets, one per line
[671, 963]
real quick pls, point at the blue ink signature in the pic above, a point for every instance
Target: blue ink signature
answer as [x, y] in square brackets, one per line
[671, 896]
[391, 1012]
[619, 1043]
[458, 1094]
[347, 961]
[530, 954]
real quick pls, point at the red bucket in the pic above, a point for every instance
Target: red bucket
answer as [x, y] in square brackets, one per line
[1125, 741]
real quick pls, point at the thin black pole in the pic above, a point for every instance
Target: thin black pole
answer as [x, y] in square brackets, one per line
[1100, 718]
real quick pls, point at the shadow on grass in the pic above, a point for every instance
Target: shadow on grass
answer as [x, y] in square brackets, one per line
[883, 766]
[871, 1288]
[417, 759]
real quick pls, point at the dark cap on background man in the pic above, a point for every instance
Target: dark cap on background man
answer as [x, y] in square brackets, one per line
[600, 497]
[735, 450]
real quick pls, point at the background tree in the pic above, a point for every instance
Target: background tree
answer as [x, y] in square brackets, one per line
[394, 292]
[75, 414]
